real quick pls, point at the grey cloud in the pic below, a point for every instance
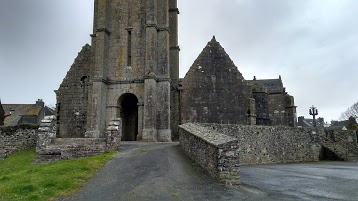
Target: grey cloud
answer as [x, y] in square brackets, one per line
[311, 43]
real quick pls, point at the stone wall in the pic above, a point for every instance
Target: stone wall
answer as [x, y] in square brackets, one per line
[16, 138]
[49, 148]
[266, 144]
[72, 97]
[215, 152]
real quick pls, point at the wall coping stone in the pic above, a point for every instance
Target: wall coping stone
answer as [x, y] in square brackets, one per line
[207, 135]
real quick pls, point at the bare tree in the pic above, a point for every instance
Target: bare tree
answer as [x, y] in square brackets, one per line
[350, 112]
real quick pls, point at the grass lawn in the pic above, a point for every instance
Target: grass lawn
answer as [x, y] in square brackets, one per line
[22, 180]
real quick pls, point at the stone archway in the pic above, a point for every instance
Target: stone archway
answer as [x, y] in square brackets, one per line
[128, 104]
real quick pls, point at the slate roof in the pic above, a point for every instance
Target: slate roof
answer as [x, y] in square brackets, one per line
[340, 123]
[257, 86]
[19, 110]
[272, 85]
[336, 128]
[309, 123]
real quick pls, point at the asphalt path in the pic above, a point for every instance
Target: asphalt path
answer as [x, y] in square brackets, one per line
[161, 172]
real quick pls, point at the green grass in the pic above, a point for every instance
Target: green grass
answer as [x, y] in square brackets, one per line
[176, 195]
[22, 180]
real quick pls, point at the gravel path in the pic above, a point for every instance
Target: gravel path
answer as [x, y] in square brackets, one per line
[161, 172]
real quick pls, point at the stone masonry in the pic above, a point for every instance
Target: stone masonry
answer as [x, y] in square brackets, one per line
[265, 145]
[279, 144]
[50, 148]
[214, 91]
[215, 152]
[16, 138]
[72, 97]
[131, 72]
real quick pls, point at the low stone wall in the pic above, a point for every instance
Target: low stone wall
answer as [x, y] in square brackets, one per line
[16, 138]
[215, 152]
[68, 148]
[49, 148]
[271, 144]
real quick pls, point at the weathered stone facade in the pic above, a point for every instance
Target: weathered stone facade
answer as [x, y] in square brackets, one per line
[278, 144]
[130, 72]
[72, 97]
[214, 91]
[16, 138]
[215, 152]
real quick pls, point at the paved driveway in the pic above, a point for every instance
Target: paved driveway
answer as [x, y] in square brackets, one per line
[161, 172]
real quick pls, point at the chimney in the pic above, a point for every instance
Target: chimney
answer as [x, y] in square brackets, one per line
[39, 102]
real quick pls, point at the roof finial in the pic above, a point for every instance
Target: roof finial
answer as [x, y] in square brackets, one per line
[213, 39]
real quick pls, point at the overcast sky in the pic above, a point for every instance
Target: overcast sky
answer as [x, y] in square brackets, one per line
[312, 44]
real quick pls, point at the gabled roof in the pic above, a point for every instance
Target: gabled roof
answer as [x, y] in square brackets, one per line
[79, 68]
[340, 123]
[214, 60]
[18, 111]
[49, 111]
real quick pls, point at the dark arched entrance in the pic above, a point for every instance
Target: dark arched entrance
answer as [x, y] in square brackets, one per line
[129, 113]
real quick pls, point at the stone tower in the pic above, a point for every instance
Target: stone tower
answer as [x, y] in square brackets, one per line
[134, 67]
[131, 71]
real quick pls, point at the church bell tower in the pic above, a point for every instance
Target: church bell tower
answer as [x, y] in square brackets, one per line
[134, 69]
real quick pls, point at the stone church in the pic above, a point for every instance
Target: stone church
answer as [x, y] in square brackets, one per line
[131, 71]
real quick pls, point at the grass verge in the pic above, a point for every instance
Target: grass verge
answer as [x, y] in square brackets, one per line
[22, 180]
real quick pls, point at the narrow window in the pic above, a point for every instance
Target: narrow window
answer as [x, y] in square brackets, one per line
[129, 59]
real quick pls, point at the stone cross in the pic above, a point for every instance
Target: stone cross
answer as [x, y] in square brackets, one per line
[313, 111]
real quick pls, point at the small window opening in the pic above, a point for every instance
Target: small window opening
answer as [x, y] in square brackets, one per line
[129, 59]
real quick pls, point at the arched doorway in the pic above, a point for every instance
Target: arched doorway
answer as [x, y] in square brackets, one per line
[129, 114]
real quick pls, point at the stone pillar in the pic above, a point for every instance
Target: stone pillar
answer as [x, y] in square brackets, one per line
[163, 72]
[114, 134]
[46, 133]
[252, 114]
[150, 84]
[151, 38]
[174, 67]
[150, 109]
[164, 131]
[140, 121]
[96, 112]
